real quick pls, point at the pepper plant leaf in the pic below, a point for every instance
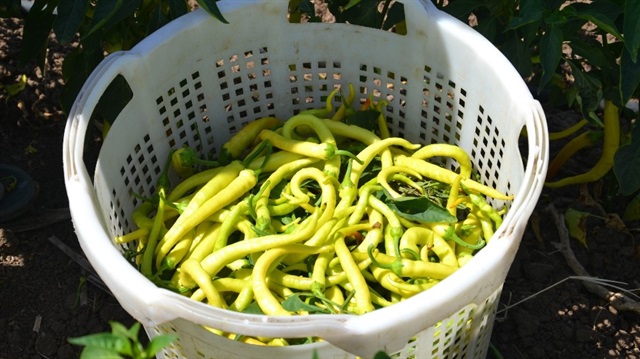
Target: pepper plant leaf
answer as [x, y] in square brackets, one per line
[15, 88]
[253, 308]
[489, 28]
[37, 28]
[517, 49]
[366, 119]
[531, 11]
[351, 4]
[381, 355]
[626, 164]
[550, 52]
[602, 13]
[119, 329]
[577, 225]
[178, 8]
[10, 8]
[589, 92]
[71, 14]
[98, 352]
[157, 20]
[419, 209]
[157, 343]
[362, 13]
[107, 342]
[293, 303]
[461, 9]
[629, 76]
[394, 16]
[212, 8]
[632, 210]
[631, 28]
[104, 11]
[593, 52]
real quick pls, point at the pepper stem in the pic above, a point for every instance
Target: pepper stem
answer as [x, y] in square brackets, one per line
[450, 235]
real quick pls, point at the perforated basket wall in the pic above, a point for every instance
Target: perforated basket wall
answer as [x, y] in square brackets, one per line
[197, 81]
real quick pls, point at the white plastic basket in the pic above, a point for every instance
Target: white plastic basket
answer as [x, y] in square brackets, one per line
[198, 78]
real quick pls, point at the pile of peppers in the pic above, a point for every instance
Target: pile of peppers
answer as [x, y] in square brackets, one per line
[322, 213]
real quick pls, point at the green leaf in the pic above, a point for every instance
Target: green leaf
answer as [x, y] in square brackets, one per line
[77, 66]
[602, 13]
[212, 8]
[394, 15]
[308, 8]
[632, 210]
[576, 222]
[177, 8]
[589, 92]
[15, 88]
[97, 352]
[109, 13]
[518, 52]
[367, 119]
[550, 53]
[531, 11]
[104, 10]
[157, 20]
[419, 209]
[593, 52]
[629, 77]
[626, 164]
[488, 28]
[37, 28]
[631, 28]
[71, 14]
[556, 17]
[157, 343]
[119, 329]
[126, 11]
[381, 355]
[10, 8]
[294, 304]
[461, 9]
[364, 13]
[253, 308]
[106, 341]
[131, 333]
[300, 7]
[351, 4]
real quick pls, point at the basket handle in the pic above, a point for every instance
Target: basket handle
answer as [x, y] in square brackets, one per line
[83, 202]
[537, 163]
[82, 110]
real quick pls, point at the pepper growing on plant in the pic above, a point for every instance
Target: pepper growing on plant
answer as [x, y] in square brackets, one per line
[610, 146]
[580, 142]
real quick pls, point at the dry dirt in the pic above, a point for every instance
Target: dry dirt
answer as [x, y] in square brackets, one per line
[45, 297]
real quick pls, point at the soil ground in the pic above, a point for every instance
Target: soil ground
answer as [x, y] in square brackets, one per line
[47, 297]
